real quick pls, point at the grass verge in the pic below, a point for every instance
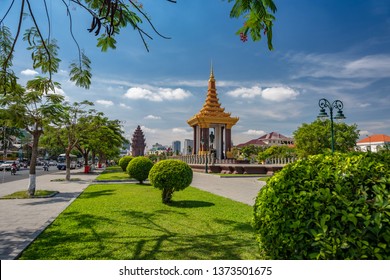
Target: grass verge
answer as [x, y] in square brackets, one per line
[113, 176]
[23, 194]
[113, 173]
[122, 221]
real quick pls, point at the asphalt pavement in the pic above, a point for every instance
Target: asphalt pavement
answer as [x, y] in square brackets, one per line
[22, 220]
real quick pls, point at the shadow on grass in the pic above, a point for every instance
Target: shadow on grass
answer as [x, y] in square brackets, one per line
[95, 194]
[140, 235]
[190, 204]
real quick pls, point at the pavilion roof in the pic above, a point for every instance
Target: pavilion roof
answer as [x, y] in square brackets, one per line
[212, 111]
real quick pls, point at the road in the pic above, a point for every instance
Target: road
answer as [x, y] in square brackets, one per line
[5, 176]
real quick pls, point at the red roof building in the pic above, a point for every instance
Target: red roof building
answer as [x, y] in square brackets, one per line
[373, 143]
[269, 139]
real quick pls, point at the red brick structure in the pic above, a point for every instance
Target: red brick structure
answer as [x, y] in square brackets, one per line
[138, 143]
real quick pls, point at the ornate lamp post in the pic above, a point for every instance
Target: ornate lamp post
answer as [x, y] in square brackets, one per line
[337, 104]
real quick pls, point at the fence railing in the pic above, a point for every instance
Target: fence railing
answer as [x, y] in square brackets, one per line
[210, 159]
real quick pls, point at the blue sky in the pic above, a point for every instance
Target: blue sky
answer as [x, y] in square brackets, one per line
[323, 49]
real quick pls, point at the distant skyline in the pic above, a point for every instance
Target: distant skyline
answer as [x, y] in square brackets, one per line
[323, 49]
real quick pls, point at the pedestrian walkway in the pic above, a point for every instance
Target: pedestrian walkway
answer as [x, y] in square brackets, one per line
[22, 220]
[242, 189]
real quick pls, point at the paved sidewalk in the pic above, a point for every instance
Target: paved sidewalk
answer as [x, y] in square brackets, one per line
[22, 220]
[242, 189]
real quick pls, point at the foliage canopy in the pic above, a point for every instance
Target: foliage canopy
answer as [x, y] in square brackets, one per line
[315, 138]
[326, 207]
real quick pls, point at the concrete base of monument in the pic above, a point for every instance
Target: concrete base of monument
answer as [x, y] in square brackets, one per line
[255, 169]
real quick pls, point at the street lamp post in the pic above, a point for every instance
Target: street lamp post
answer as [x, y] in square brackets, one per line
[337, 104]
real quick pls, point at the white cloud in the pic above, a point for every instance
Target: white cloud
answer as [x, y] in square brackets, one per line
[246, 92]
[254, 132]
[277, 94]
[123, 105]
[60, 91]
[338, 66]
[156, 94]
[148, 130]
[368, 67]
[180, 131]
[152, 117]
[364, 133]
[29, 72]
[106, 103]
[364, 105]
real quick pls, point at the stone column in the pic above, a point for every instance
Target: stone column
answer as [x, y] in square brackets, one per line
[228, 142]
[194, 150]
[221, 149]
[205, 136]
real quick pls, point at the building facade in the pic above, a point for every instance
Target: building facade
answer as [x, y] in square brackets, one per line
[188, 146]
[373, 143]
[176, 147]
[269, 139]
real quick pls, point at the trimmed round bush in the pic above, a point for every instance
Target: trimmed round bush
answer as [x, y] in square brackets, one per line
[326, 207]
[170, 175]
[139, 167]
[124, 161]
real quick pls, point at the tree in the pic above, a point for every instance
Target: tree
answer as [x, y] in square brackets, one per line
[276, 151]
[68, 131]
[32, 108]
[108, 18]
[100, 136]
[250, 151]
[315, 138]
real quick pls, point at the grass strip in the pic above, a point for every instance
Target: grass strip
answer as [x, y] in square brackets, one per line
[122, 221]
[24, 195]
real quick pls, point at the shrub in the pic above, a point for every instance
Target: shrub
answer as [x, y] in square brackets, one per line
[326, 207]
[170, 175]
[139, 167]
[124, 161]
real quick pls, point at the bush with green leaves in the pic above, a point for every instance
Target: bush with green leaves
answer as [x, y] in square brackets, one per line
[170, 175]
[124, 161]
[326, 207]
[139, 167]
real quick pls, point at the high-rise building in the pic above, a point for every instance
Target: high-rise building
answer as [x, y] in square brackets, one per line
[188, 146]
[176, 147]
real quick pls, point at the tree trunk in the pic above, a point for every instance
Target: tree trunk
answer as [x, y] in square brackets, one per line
[67, 176]
[167, 194]
[93, 161]
[33, 164]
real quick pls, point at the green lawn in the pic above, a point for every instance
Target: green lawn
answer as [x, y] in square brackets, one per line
[129, 221]
[113, 173]
[113, 176]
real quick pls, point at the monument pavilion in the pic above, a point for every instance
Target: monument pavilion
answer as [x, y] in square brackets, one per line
[212, 126]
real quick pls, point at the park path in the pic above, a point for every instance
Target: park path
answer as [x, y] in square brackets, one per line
[242, 189]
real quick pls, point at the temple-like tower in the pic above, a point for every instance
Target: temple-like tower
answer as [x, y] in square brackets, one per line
[212, 126]
[138, 143]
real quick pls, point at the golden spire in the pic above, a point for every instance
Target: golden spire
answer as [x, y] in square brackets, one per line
[212, 72]
[212, 111]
